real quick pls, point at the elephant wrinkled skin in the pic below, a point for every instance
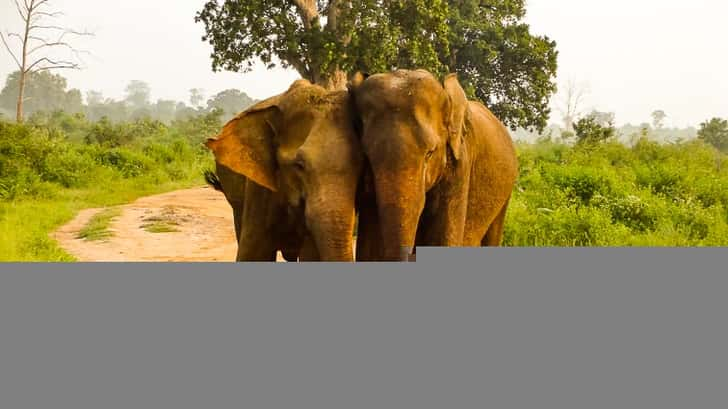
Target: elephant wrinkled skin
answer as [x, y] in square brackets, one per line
[440, 168]
[289, 168]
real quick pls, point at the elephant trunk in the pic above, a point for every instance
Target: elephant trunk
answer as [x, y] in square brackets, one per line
[332, 229]
[400, 208]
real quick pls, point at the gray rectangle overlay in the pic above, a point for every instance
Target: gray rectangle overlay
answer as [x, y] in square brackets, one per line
[460, 328]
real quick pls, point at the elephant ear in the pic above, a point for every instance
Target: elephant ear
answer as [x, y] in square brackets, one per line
[246, 144]
[455, 117]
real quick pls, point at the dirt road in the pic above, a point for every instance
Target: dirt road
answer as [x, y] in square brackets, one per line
[201, 218]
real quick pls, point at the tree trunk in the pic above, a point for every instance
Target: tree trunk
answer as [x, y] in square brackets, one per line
[21, 97]
[23, 71]
[336, 81]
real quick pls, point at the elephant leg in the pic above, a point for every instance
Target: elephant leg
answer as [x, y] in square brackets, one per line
[494, 235]
[257, 240]
[309, 252]
[442, 222]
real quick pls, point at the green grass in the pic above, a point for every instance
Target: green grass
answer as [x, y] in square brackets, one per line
[166, 222]
[25, 223]
[97, 227]
[160, 227]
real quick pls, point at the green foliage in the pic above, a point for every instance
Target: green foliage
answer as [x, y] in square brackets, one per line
[44, 91]
[589, 131]
[46, 176]
[106, 133]
[611, 195]
[499, 61]
[715, 132]
[230, 101]
[198, 128]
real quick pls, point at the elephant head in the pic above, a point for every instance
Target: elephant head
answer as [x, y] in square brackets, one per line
[302, 147]
[412, 135]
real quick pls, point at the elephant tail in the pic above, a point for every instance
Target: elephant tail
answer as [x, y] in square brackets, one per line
[212, 180]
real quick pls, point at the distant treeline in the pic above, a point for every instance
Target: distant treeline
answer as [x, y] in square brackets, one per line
[47, 92]
[627, 134]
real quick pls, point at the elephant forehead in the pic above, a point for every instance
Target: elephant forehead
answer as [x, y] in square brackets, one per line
[312, 98]
[397, 94]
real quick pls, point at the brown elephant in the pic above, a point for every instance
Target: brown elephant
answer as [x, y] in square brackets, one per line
[289, 167]
[441, 169]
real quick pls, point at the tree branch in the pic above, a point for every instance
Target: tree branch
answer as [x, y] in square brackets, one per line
[10, 51]
[35, 5]
[307, 10]
[15, 35]
[35, 26]
[46, 14]
[333, 15]
[53, 44]
[54, 64]
[20, 10]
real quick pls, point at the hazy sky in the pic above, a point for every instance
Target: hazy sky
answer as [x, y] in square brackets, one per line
[635, 55]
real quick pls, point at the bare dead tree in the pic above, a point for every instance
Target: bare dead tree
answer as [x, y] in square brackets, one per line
[572, 100]
[40, 36]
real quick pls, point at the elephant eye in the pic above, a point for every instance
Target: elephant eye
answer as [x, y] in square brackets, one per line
[299, 163]
[429, 154]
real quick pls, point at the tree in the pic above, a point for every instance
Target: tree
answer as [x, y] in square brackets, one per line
[183, 112]
[230, 101]
[197, 95]
[715, 132]
[604, 119]
[35, 38]
[500, 62]
[488, 45]
[137, 94]
[164, 110]
[573, 97]
[44, 91]
[73, 102]
[94, 97]
[658, 118]
[588, 131]
[319, 39]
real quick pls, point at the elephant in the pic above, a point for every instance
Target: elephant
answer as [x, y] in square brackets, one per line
[439, 169]
[289, 166]
[283, 234]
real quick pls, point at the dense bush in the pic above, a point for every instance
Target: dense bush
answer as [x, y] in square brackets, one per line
[607, 194]
[58, 150]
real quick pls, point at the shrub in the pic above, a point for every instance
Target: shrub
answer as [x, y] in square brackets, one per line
[630, 211]
[127, 162]
[589, 131]
[660, 179]
[581, 182]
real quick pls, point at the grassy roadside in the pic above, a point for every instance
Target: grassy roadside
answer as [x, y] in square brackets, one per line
[25, 224]
[47, 177]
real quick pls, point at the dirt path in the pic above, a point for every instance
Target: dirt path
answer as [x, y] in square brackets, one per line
[201, 216]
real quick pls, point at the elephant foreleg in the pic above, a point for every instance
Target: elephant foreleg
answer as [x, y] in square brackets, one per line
[494, 235]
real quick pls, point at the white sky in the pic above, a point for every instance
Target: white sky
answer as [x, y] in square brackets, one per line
[635, 55]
